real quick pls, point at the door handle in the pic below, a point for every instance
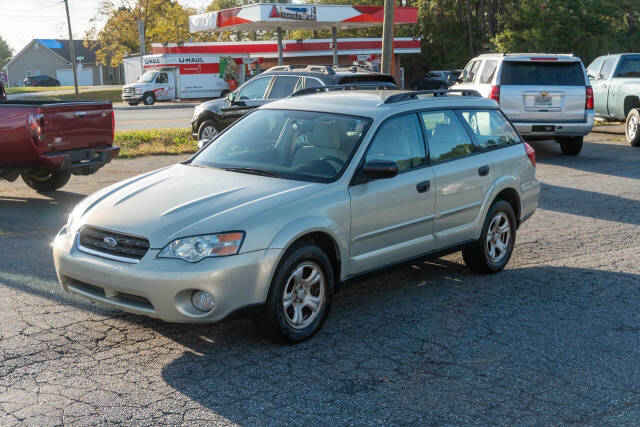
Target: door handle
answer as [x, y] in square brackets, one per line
[604, 86]
[483, 171]
[423, 186]
[80, 114]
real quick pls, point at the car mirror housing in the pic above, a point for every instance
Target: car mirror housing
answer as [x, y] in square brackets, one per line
[380, 169]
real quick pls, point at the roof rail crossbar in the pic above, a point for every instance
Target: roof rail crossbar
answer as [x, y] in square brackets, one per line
[320, 69]
[406, 96]
[333, 88]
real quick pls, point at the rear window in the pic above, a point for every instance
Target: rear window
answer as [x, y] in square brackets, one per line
[367, 78]
[542, 73]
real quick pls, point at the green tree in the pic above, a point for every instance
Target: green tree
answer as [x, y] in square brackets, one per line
[6, 53]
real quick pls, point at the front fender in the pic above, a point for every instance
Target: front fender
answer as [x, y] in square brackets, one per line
[302, 226]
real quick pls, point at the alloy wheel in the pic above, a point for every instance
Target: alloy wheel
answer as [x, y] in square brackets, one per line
[498, 237]
[304, 295]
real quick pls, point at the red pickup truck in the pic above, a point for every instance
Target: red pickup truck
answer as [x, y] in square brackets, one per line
[47, 142]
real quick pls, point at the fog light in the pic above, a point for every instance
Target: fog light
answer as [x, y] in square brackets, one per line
[202, 300]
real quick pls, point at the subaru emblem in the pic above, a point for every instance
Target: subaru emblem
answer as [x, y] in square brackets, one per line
[110, 242]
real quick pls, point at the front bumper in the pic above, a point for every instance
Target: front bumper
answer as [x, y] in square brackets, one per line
[80, 162]
[162, 288]
[131, 97]
[551, 129]
[194, 129]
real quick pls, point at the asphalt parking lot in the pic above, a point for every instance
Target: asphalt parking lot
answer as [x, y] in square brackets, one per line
[555, 338]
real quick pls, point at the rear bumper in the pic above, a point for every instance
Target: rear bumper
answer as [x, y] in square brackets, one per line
[80, 162]
[194, 129]
[551, 129]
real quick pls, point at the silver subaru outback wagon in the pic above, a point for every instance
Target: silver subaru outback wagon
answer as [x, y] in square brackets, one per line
[299, 196]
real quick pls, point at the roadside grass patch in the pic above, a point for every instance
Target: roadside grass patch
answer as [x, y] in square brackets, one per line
[110, 95]
[29, 89]
[148, 142]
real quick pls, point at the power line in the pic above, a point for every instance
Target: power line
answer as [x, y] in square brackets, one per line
[40, 8]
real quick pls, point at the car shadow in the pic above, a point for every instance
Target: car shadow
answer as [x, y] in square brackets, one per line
[606, 158]
[50, 211]
[431, 340]
[589, 204]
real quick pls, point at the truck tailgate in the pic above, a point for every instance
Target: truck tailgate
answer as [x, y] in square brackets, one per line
[75, 125]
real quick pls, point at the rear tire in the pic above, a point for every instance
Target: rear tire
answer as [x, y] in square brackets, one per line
[571, 146]
[45, 183]
[491, 253]
[632, 128]
[148, 98]
[304, 279]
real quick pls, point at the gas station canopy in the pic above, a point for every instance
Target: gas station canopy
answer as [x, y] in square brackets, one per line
[287, 16]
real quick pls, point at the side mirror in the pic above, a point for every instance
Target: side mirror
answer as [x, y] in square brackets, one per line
[380, 169]
[458, 80]
[600, 76]
[231, 96]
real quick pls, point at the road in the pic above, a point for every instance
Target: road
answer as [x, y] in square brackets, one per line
[153, 118]
[553, 339]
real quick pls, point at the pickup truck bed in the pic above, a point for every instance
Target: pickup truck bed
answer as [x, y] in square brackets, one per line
[52, 140]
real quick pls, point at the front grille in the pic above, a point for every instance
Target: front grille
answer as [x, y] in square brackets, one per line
[102, 241]
[128, 90]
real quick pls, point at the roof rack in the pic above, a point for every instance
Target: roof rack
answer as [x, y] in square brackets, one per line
[406, 96]
[333, 88]
[325, 69]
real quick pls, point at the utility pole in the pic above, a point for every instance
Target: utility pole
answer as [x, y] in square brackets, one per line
[72, 50]
[142, 44]
[387, 37]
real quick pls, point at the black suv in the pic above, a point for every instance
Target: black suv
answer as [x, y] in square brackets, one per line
[211, 117]
[41, 80]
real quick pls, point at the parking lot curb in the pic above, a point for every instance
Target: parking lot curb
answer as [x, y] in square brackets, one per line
[154, 107]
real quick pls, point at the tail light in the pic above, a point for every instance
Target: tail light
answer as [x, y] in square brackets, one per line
[35, 125]
[531, 153]
[495, 93]
[589, 103]
[113, 124]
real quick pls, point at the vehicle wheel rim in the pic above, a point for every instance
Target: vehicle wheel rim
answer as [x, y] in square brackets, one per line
[498, 237]
[304, 295]
[208, 132]
[632, 127]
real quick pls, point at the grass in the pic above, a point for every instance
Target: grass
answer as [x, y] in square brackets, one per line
[135, 143]
[28, 89]
[111, 95]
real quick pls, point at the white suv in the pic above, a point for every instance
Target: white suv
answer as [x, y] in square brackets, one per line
[545, 96]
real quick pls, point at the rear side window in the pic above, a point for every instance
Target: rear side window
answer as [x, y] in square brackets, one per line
[367, 78]
[311, 82]
[446, 136]
[607, 68]
[399, 139]
[490, 128]
[630, 67]
[283, 87]
[533, 73]
[488, 71]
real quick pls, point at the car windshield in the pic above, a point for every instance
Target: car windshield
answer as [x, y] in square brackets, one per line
[147, 77]
[299, 145]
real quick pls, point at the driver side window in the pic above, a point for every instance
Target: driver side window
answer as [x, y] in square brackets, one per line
[162, 78]
[399, 139]
[254, 89]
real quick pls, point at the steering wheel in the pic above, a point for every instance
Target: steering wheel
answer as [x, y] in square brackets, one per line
[334, 159]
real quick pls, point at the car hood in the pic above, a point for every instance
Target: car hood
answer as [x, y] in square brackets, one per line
[184, 200]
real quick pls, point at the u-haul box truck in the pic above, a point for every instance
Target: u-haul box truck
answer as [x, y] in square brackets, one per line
[177, 76]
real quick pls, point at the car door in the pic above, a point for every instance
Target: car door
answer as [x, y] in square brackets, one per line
[282, 87]
[600, 85]
[392, 219]
[247, 97]
[161, 90]
[463, 176]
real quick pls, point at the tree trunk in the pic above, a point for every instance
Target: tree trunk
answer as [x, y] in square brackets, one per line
[470, 29]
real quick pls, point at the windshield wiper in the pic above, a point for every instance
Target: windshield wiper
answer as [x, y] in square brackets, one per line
[252, 171]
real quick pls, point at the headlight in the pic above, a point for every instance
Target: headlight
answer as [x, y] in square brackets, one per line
[73, 217]
[196, 248]
[196, 112]
[138, 91]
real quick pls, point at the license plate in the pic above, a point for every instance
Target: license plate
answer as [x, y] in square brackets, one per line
[543, 101]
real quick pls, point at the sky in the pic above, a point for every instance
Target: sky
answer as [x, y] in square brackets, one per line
[24, 20]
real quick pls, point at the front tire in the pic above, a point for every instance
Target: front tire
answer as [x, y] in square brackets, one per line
[207, 130]
[571, 146]
[149, 98]
[494, 248]
[45, 183]
[632, 128]
[299, 297]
